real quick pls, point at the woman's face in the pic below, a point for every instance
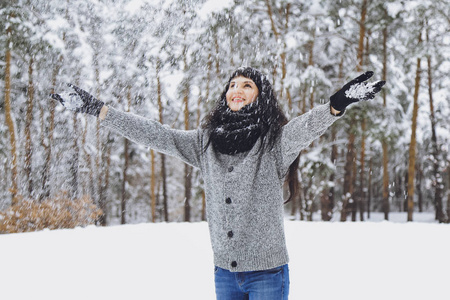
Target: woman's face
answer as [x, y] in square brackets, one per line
[242, 91]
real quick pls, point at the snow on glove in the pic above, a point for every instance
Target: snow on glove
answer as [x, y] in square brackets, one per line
[356, 90]
[79, 101]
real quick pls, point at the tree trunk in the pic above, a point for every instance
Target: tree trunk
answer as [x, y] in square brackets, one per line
[437, 178]
[9, 119]
[277, 34]
[104, 187]
[28, 123]
[362, 33]
[88, 186]
[217, 48]
[384, 143]
[309, 201]
[98, 156]
[164, 187]
[102, 155]
[328, 204]
[49, 145]
[293, 207]
[74, 162]
[123, 203]
[75, 159]
[361, 198]
[386, 204]
[302, 103]
[272, 21]
[301, 200]
[354, 199]
[207, 91]
[448, 198]
[403, 195]
[152, 152]
[419, 193]
[187, 192]
[348, 169]
[369, 189]
[203, 206]
[324, 209]
[208, 82]
[153, 187]
[163, 157]
[283, 59]
[348, 201]
[312, 88]
[187, 168]
[412, 146]
[230, 43]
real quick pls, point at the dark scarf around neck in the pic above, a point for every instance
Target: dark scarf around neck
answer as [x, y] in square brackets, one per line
[236, 132]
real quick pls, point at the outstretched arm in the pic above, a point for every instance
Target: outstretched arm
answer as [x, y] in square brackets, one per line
[302, 130]
[183, 144]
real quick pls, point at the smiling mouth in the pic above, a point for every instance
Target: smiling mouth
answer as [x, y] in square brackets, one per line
[238, 99]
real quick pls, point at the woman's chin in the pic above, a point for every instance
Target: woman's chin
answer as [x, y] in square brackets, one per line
[235, 106]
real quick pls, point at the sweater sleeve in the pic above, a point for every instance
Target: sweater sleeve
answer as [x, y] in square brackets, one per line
[301, 131]
[183, 144]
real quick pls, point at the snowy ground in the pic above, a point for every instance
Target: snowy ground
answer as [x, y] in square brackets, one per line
[362, 260]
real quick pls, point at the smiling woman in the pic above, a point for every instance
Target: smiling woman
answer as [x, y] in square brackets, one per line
[246, 149]
[247, 111]
[242, 91]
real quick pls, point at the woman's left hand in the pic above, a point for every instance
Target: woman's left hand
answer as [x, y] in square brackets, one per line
[354, 91]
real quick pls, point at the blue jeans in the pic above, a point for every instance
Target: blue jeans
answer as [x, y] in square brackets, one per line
[272, 284]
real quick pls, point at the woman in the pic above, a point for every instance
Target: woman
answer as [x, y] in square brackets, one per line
[245, 150]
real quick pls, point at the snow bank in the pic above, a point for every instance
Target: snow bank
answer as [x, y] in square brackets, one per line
[370, 260]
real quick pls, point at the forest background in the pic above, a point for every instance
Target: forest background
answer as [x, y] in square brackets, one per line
[169, 61]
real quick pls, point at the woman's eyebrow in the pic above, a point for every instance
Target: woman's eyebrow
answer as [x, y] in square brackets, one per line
[247, 81]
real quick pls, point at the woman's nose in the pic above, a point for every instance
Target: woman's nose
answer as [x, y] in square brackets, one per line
[237, 89]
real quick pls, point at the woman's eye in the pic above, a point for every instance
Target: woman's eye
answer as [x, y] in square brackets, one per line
[248, 85]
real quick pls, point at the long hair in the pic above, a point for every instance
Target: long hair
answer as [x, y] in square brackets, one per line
[272, 118]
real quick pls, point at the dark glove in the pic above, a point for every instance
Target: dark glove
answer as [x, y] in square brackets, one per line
[80, 101]
[355, 91]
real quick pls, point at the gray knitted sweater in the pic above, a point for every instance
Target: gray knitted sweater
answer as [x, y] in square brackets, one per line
[244, 195]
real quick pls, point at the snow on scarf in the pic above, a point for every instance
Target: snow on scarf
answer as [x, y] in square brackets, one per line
[236, 131]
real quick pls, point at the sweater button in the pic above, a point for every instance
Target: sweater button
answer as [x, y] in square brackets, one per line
[228, 200]
[230, 234]
[234, 264]
[230, 169]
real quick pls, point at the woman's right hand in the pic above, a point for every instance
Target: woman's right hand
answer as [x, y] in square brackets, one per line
[80, 101]
[354, 91]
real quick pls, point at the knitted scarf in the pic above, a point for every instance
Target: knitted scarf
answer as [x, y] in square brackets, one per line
[236, 131]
